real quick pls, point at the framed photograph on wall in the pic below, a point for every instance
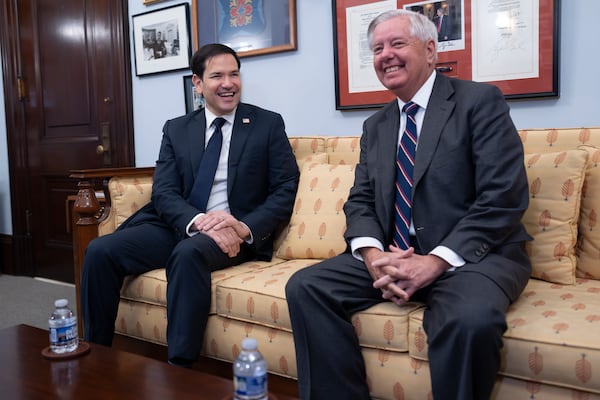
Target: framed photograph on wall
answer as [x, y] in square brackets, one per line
[161, 40]
[513, 45]
[193, 100]
[250, 27]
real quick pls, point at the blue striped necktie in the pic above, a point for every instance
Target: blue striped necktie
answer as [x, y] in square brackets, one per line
[405, 162]
[208, 166]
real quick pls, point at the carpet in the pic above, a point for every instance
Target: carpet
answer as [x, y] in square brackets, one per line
[30, 301]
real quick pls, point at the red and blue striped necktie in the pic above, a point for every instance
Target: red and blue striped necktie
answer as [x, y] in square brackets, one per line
[405, 162]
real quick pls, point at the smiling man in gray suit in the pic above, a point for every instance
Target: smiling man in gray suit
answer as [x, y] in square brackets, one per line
[198, 222]
[458, 245]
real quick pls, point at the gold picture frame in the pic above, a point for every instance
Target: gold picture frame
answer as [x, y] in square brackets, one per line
[147, 2]
[255, 28]
[458, 57]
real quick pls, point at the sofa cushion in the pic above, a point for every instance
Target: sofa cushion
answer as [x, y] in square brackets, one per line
[318, 222]
[303, 146]
[555, 182]
[317, 158]
[258, 296]
[552, 140]
[128, 194]
[142, 309]
[588, 242]
[541, 343]
[384, 326]
[343, 149]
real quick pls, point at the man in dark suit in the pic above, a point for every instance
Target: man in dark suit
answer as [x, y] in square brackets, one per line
[464, 254]
[160, 49]
[250, 197]
[442, 24]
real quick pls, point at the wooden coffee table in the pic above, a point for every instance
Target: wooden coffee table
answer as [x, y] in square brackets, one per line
[103, 373]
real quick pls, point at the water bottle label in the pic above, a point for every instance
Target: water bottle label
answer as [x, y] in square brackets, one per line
[63, 335]
[250, 385]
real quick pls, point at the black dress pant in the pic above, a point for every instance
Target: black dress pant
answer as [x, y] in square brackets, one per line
[142, 248]
[464, 321]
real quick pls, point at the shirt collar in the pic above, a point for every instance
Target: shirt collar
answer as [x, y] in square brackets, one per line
[421, 98]
[210, 117]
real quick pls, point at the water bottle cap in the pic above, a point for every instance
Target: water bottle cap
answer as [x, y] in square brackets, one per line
[61, 303]
[249, 344]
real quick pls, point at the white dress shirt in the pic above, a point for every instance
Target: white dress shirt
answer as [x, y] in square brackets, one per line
[422, 99]
[217, 200]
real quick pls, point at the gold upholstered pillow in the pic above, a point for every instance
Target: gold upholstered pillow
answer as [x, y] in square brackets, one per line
[555, 183]
[318, 222]
[316, 158]
[303, 146]
[343, 149]
[128, 194]
[588, 241]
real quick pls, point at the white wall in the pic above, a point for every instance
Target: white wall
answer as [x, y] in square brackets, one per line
[300, 85]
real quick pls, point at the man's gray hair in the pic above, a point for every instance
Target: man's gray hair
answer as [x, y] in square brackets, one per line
[421, 27]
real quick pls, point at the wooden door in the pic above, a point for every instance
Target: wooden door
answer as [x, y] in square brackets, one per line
[68, 102]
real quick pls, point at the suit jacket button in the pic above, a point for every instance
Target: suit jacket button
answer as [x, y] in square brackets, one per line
[478, 253]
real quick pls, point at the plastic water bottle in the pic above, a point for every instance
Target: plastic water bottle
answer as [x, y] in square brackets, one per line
[250, 373]
[63, 328]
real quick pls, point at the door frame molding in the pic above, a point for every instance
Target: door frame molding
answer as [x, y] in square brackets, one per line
[16, 135]
[16, 140]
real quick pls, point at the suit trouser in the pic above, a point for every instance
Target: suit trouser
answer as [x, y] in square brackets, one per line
[464, 321]
[142, 248]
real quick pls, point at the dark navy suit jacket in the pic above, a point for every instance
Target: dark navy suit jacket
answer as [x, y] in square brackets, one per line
[262, 175]
[469, 185]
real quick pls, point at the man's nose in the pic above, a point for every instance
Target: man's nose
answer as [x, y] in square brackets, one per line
[386, 51]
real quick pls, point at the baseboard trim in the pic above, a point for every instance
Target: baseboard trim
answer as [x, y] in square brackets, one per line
[6, 254]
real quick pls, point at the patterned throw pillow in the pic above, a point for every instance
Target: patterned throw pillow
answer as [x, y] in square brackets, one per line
[318, 222]
[129, 194]
[343, 149]
[316, 158]
[588, 241]
[555, 183]
[304, 146]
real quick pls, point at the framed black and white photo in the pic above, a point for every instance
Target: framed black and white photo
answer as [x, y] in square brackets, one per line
[193, 100]
[161, 40]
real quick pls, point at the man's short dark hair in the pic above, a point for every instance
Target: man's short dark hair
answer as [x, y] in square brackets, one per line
[206, 52]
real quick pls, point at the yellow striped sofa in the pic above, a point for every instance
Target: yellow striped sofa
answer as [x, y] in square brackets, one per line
[552, 346]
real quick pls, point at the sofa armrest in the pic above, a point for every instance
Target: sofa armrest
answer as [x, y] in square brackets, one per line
[88, 214]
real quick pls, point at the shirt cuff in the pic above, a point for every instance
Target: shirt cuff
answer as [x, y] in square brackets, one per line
[361, 242]
[251, 239]
[450, 256]
[188, 228]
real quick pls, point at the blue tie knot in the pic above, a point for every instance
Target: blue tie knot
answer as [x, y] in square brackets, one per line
[219, 122]
[410, 108]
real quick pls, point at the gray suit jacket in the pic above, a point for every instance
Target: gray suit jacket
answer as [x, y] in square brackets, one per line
[262, 176]
[469, 184]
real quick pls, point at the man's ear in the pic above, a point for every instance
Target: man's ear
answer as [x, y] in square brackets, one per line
[431, 51]
[197, 82]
